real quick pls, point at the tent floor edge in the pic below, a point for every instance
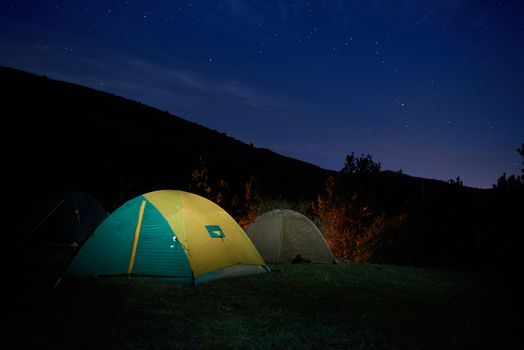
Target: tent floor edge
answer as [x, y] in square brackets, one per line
[231, 271]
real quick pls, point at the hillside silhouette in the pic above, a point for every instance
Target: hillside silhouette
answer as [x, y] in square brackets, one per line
[62, 137]
[69, 137]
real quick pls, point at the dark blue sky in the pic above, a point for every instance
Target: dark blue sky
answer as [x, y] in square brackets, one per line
[435, 88]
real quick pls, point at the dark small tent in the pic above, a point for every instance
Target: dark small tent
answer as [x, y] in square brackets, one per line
[67, 219]
[53, 232]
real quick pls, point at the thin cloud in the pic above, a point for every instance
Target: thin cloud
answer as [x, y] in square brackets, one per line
[180, 80]
[134, 78]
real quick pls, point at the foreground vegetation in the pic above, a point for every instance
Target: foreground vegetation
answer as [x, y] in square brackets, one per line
[308, 306]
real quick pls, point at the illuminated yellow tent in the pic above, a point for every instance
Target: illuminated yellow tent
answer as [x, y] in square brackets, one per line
[171, 234]
[285, 236]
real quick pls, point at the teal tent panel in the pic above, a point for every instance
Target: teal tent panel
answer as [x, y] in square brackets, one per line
[108, 250]
[158, 251]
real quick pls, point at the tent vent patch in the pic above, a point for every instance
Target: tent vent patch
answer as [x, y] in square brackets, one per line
[215, 231]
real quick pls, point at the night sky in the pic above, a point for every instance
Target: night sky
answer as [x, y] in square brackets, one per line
[434, 88]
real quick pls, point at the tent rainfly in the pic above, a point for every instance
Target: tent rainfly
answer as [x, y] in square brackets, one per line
[67, 219]
[285, 236]
[171, 234]
[53, 233]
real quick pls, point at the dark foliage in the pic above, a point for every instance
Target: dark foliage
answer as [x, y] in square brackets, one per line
[394, 218]
[507, 219]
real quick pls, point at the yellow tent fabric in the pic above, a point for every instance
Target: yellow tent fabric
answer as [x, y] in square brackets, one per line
[283, 235]
[172, 234]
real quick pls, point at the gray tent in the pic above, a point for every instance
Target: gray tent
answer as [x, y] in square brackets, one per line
[284, 236]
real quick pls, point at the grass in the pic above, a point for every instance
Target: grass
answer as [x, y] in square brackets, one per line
[306, 306]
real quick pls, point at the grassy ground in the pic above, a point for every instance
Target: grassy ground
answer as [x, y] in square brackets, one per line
[345, 306]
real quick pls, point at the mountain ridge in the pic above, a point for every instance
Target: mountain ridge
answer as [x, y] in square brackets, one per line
[50, 119]
[52, 116]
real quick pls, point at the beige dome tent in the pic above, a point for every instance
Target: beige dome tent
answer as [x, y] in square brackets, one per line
[284, 236]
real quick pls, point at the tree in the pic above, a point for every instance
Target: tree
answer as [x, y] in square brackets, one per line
[202, 184]
[352, 223]
[508, 184]
[249, 206]
[507, 206]
[521, 152]
[360, 166]
[512, 183]
[456, 182]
